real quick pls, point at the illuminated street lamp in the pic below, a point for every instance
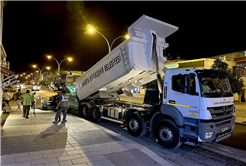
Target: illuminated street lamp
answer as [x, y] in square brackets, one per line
[40, 70]
[59, 64]
[91, 29]
[126, 36]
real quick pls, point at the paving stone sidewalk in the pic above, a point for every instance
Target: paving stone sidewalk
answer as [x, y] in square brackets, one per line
[36, 141]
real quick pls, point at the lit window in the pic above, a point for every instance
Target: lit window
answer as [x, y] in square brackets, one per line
[244, 53]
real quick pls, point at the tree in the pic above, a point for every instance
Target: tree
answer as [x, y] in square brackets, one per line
[235, 81]
[220, 66]
[50, 78]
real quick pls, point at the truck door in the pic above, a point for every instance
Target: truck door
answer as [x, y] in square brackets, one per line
[183, 94]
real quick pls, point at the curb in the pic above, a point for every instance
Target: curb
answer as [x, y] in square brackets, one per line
[244, 124]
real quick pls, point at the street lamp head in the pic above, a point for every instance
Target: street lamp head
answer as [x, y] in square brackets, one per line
[37, 71]
[34, 66]
[49, 56]
[127, 36]
[69, 59]
[48, 68]
[90, 28]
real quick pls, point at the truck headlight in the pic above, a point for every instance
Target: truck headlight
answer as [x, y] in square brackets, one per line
[208, 135]
[234, 109]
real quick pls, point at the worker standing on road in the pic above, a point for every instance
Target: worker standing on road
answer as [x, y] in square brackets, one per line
[57, 100]
[18, 99]
[34, 102]
[62, 106]
[26, 103]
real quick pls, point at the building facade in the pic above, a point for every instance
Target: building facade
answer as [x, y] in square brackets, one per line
[236, 61]
[3, 55]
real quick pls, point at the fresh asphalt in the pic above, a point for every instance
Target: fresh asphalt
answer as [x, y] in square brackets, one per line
[237, 140]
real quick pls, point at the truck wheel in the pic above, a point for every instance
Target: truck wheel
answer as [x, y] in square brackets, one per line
[167, 134]
[135, 126]
[95, 114]
[85, 111]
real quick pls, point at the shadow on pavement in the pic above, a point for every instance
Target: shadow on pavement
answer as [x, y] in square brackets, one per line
[54, 137]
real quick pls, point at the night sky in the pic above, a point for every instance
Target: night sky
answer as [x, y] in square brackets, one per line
[32, 30]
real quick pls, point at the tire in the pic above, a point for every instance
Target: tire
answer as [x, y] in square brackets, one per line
[71, 111]
[95, 114]
[167, 134]
[85, 111]
[135, 126]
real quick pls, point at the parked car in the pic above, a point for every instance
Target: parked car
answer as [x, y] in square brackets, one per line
[35, 86]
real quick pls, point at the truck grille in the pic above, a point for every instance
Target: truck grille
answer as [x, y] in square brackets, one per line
[221, 112]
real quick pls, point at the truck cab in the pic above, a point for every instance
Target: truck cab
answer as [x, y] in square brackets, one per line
[201, 104]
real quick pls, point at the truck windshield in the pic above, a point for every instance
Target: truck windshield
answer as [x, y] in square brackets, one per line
[214, 84]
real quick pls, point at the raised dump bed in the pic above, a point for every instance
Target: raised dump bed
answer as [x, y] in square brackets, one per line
[130, 64]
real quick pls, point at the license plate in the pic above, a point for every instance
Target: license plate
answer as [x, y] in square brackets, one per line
[224, 129]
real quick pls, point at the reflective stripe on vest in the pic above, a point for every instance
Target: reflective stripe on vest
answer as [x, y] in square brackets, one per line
[63, 99]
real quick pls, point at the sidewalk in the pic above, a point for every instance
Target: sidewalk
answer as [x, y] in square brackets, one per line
[37, 141]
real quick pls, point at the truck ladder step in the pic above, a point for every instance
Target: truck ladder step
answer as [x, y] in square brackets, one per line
[190, 124]
[190, 134]
[190, 143]
[124, 52]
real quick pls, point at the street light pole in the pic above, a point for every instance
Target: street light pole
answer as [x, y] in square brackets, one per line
[59, 64]
[118, 38]
[109, 48]
[40, 70]
[91, 29]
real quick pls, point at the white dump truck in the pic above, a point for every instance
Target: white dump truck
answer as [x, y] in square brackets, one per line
[192, 105]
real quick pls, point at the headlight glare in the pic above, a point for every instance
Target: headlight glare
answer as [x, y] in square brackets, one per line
[208, 135]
